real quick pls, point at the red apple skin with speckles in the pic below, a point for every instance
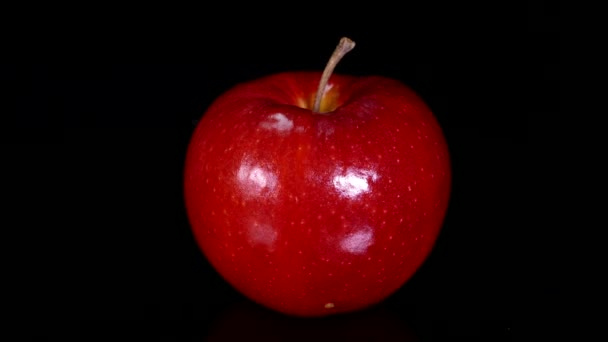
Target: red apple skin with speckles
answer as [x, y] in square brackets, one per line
[310, 213]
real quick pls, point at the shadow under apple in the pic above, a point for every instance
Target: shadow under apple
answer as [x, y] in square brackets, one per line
[246, 320]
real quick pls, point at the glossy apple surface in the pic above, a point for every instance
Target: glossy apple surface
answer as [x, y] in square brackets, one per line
[317, 213]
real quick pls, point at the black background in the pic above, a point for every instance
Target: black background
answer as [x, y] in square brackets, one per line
[101, 109]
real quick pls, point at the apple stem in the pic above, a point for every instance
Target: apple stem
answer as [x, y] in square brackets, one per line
[344, 46]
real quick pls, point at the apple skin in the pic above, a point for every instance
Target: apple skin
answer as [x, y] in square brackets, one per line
[313, 214]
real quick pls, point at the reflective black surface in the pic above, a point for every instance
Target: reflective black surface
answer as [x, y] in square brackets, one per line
[100, 141]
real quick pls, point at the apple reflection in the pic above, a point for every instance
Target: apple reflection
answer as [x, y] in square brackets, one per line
[244, 319]
[277, 122]
[358, 242]
[354, 182]
[255, 180]
[262, 234]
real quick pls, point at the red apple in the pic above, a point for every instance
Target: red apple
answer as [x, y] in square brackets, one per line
[316, 212]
